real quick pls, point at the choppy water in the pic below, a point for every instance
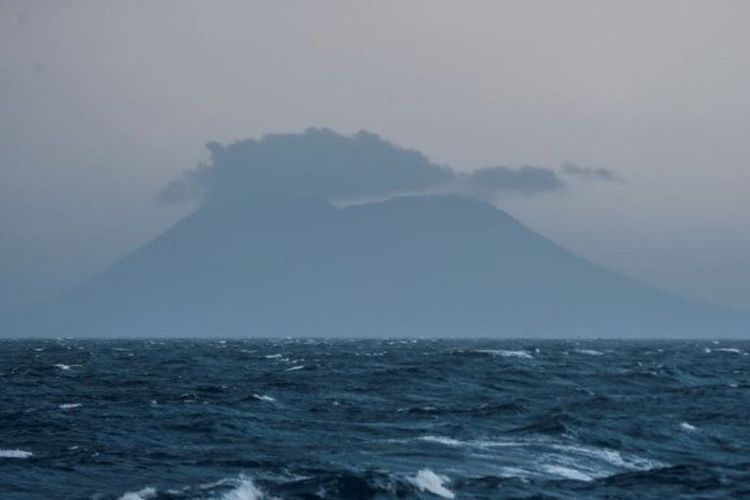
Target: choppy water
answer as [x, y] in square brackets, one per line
[248, 419]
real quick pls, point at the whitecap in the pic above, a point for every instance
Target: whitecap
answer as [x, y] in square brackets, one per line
[567, 473]
[506, 353]
[590, 352]
[15, 454]
[612, 457]
[479, 443]
[143, 494]
[687, 427]
[273, 356]
[69, 406]
[442, 440]
[62, 366]
[426, 480]
[263, 397]
[295, 368]
[582, 460]
[733, 350]
[246, 490]
[515, 472]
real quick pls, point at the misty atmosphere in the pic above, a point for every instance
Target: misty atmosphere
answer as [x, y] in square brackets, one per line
[416, 249]
[421, 249]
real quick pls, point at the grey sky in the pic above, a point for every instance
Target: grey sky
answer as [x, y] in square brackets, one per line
[104, 103]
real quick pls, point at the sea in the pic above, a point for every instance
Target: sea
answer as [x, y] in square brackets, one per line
[248, 419]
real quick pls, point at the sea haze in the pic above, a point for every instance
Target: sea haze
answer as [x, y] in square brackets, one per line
[316, 418]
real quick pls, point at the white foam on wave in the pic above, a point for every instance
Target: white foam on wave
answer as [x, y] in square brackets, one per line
[246, 490]
[15, 454]
[733, 350]
[515, 472]
[567, 472]
[273, 356]
[611, 457]
[442, 440]
[263, 397]
[426, 480]
[590, 352]
[295, 368]
[69, 406]
[479, 443]
[507, 353]
[62, 366]
[687, 427]
[143, 494]
[543, 457]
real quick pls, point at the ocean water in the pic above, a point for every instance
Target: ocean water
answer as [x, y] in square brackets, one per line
[315, 418]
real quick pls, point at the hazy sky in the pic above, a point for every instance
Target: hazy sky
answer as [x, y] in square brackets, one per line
[103, 103]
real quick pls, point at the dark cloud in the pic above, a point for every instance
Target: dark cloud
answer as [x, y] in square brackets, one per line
[525, 180]
[590, 173]
[318, 163]
[323, 164]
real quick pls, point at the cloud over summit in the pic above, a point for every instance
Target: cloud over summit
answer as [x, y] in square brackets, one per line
[590, 173]
[321, 163]
[524, 180]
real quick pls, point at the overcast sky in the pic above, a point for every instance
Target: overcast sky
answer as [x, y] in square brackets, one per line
[104, 103]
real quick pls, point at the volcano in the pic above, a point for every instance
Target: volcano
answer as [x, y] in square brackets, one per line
[257, 259]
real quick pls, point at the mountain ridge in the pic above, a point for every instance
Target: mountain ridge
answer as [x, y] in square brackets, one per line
[270, 253]
[431, 265]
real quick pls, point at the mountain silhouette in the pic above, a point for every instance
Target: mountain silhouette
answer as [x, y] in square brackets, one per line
[273, 262]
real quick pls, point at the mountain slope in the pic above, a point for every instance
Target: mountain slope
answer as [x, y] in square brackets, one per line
[421, 265]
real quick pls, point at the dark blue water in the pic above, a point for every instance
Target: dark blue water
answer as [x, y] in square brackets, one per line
[248, 419]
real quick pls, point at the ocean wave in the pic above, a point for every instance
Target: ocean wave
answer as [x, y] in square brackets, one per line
[426, 480]
[263, 397]
[558, 457]
[442, 440]
[612, 457]
[498, 425]
[69, 406]
[506, 353]
[245, 490]
[15, 454]
[143, 494]
[590, 352]
[567, 473]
